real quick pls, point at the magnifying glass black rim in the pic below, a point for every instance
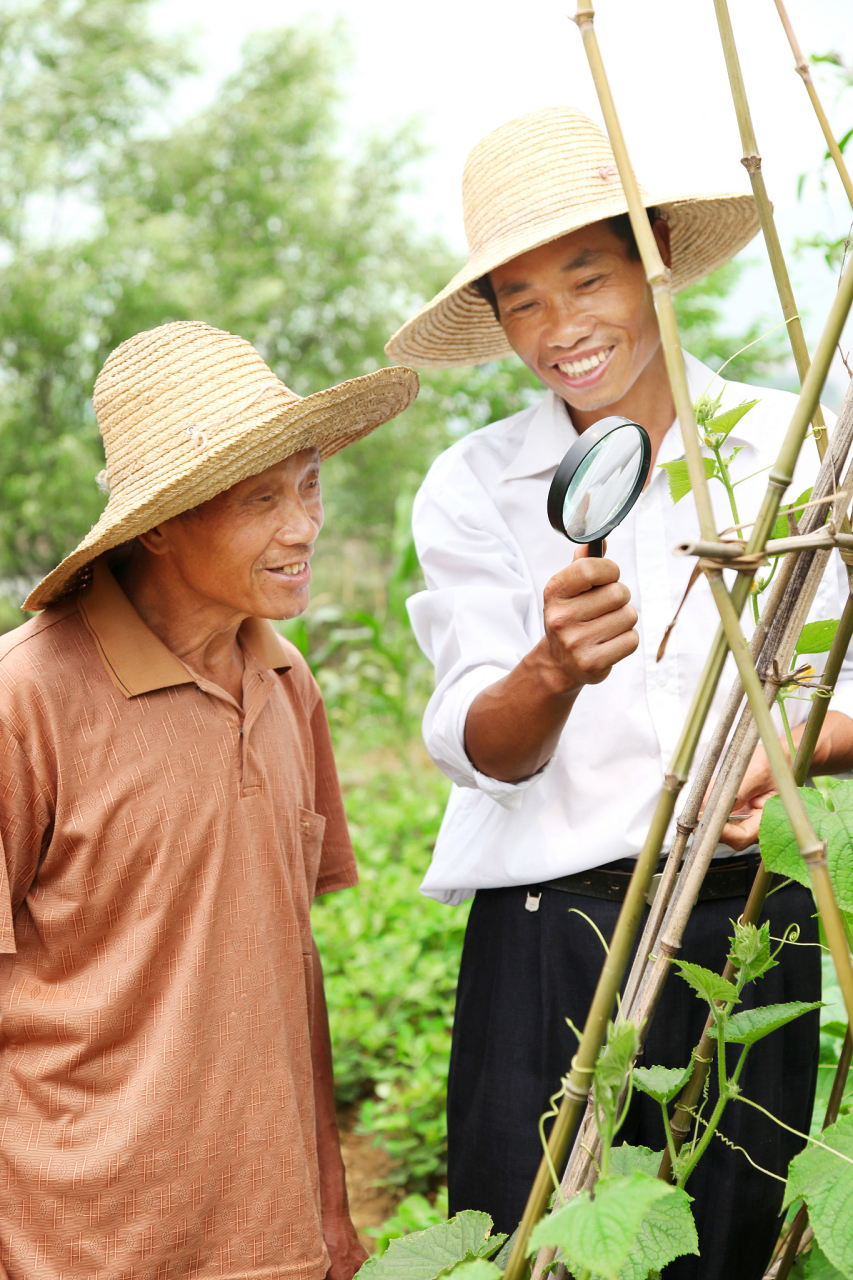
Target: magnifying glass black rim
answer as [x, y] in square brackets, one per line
[566, 472]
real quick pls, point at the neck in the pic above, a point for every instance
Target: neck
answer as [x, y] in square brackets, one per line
[201, 632]
[647, 401]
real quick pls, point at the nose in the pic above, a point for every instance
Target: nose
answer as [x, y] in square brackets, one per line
[300, 525]
[567, 325]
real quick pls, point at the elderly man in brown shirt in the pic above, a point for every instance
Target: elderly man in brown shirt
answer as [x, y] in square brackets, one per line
[169, 808]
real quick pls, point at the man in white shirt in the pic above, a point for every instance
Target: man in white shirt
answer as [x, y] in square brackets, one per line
[551, 715]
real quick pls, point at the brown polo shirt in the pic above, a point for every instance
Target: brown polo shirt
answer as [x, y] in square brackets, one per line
[162, 847]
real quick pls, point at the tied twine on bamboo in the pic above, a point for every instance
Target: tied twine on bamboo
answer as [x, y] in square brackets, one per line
[577, 1083]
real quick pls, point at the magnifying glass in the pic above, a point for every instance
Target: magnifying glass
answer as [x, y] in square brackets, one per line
[599, 480]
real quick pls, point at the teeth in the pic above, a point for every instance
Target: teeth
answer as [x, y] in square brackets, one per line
[290, 569]
[574, 368]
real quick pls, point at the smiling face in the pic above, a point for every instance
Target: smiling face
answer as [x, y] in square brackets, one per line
[579, 313]
[248, 549]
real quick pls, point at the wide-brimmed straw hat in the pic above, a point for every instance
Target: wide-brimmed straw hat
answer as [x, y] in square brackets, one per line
[186, 411]
[530, 182]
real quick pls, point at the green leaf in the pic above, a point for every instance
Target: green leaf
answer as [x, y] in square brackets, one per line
[661, 1083]
[667, 1232]
[750, 953]
[826, 1185]
[423, 1255]
[626, 1159]
[473, 1269]
[751, 1025]
[612, 1068]
[818, 1267]
[601, 1234]
[725, 422]
[502, 1258]
[708, 984]
[831, 813]
[679, 477]
[781, 528]
[817, 637]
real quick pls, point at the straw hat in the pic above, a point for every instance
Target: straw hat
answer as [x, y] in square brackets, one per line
[530, 182]
[187, 411]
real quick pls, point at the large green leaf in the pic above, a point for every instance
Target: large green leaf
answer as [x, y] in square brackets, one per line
[423, 1255]
[661, 1083]
[826, 1184]
[751, 1025]
[667, 1232]
[601, 1234]
[612, 1068]
[831, 814]
[708, 984]
[678, 476]
[626, 1159]
[817, 637]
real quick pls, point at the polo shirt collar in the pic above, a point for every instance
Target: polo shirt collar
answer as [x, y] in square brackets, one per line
[136, 660]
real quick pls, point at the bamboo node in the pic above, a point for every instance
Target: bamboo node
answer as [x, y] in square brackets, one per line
[672, 782]
[669, 948]
[686, 828]
[815, 856]
[752, 164]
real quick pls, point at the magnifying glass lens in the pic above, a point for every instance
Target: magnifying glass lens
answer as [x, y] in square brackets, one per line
[602, 485]
[599, 480]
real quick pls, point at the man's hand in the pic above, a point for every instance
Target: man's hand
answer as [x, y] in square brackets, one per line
[513, 727]
[589, 620]
[345, 1249]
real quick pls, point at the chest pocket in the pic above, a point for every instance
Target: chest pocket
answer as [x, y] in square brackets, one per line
[311, 829]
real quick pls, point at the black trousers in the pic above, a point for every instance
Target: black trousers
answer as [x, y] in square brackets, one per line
[523, 973]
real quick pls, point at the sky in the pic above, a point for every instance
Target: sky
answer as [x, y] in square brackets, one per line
[462, 67]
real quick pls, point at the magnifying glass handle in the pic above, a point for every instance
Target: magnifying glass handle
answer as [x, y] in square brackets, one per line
[596, 548]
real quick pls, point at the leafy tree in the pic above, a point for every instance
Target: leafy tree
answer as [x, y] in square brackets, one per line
[248, 215]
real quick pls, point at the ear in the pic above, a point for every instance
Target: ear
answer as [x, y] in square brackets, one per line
[660, 231]
[154, 540]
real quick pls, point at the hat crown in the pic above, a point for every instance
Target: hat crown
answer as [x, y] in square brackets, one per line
[165, 393]
[533, 172]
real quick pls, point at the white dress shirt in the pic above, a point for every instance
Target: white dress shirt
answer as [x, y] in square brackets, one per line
[487, 550]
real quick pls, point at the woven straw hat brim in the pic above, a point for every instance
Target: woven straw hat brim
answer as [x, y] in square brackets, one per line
[330, 420]
[457, 327]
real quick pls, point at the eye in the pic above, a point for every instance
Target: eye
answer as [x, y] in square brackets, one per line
[522, 306]
[593, 280]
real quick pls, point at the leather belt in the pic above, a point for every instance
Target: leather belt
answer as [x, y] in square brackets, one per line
[728, 879]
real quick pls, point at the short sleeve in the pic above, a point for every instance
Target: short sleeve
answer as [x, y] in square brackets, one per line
[337, 861]
[25, 811]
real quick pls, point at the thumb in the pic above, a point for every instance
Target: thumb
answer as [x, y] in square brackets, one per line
[582, 551]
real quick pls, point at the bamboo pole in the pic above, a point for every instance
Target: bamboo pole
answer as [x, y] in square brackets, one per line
[657, 274]
[751, 161]
[801, 66]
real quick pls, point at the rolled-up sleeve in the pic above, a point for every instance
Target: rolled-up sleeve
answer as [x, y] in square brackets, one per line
[478, 618]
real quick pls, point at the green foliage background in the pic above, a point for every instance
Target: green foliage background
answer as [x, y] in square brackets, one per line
[255, 216]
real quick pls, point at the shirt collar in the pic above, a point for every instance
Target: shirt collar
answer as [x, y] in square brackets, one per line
[135, 659]
[549, 436]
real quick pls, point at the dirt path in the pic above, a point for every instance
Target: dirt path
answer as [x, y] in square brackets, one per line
[370, 1204]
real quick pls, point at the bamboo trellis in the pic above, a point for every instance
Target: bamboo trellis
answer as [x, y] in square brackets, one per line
[776, 634]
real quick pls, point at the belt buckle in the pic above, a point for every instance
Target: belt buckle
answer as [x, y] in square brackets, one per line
[652, 891]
